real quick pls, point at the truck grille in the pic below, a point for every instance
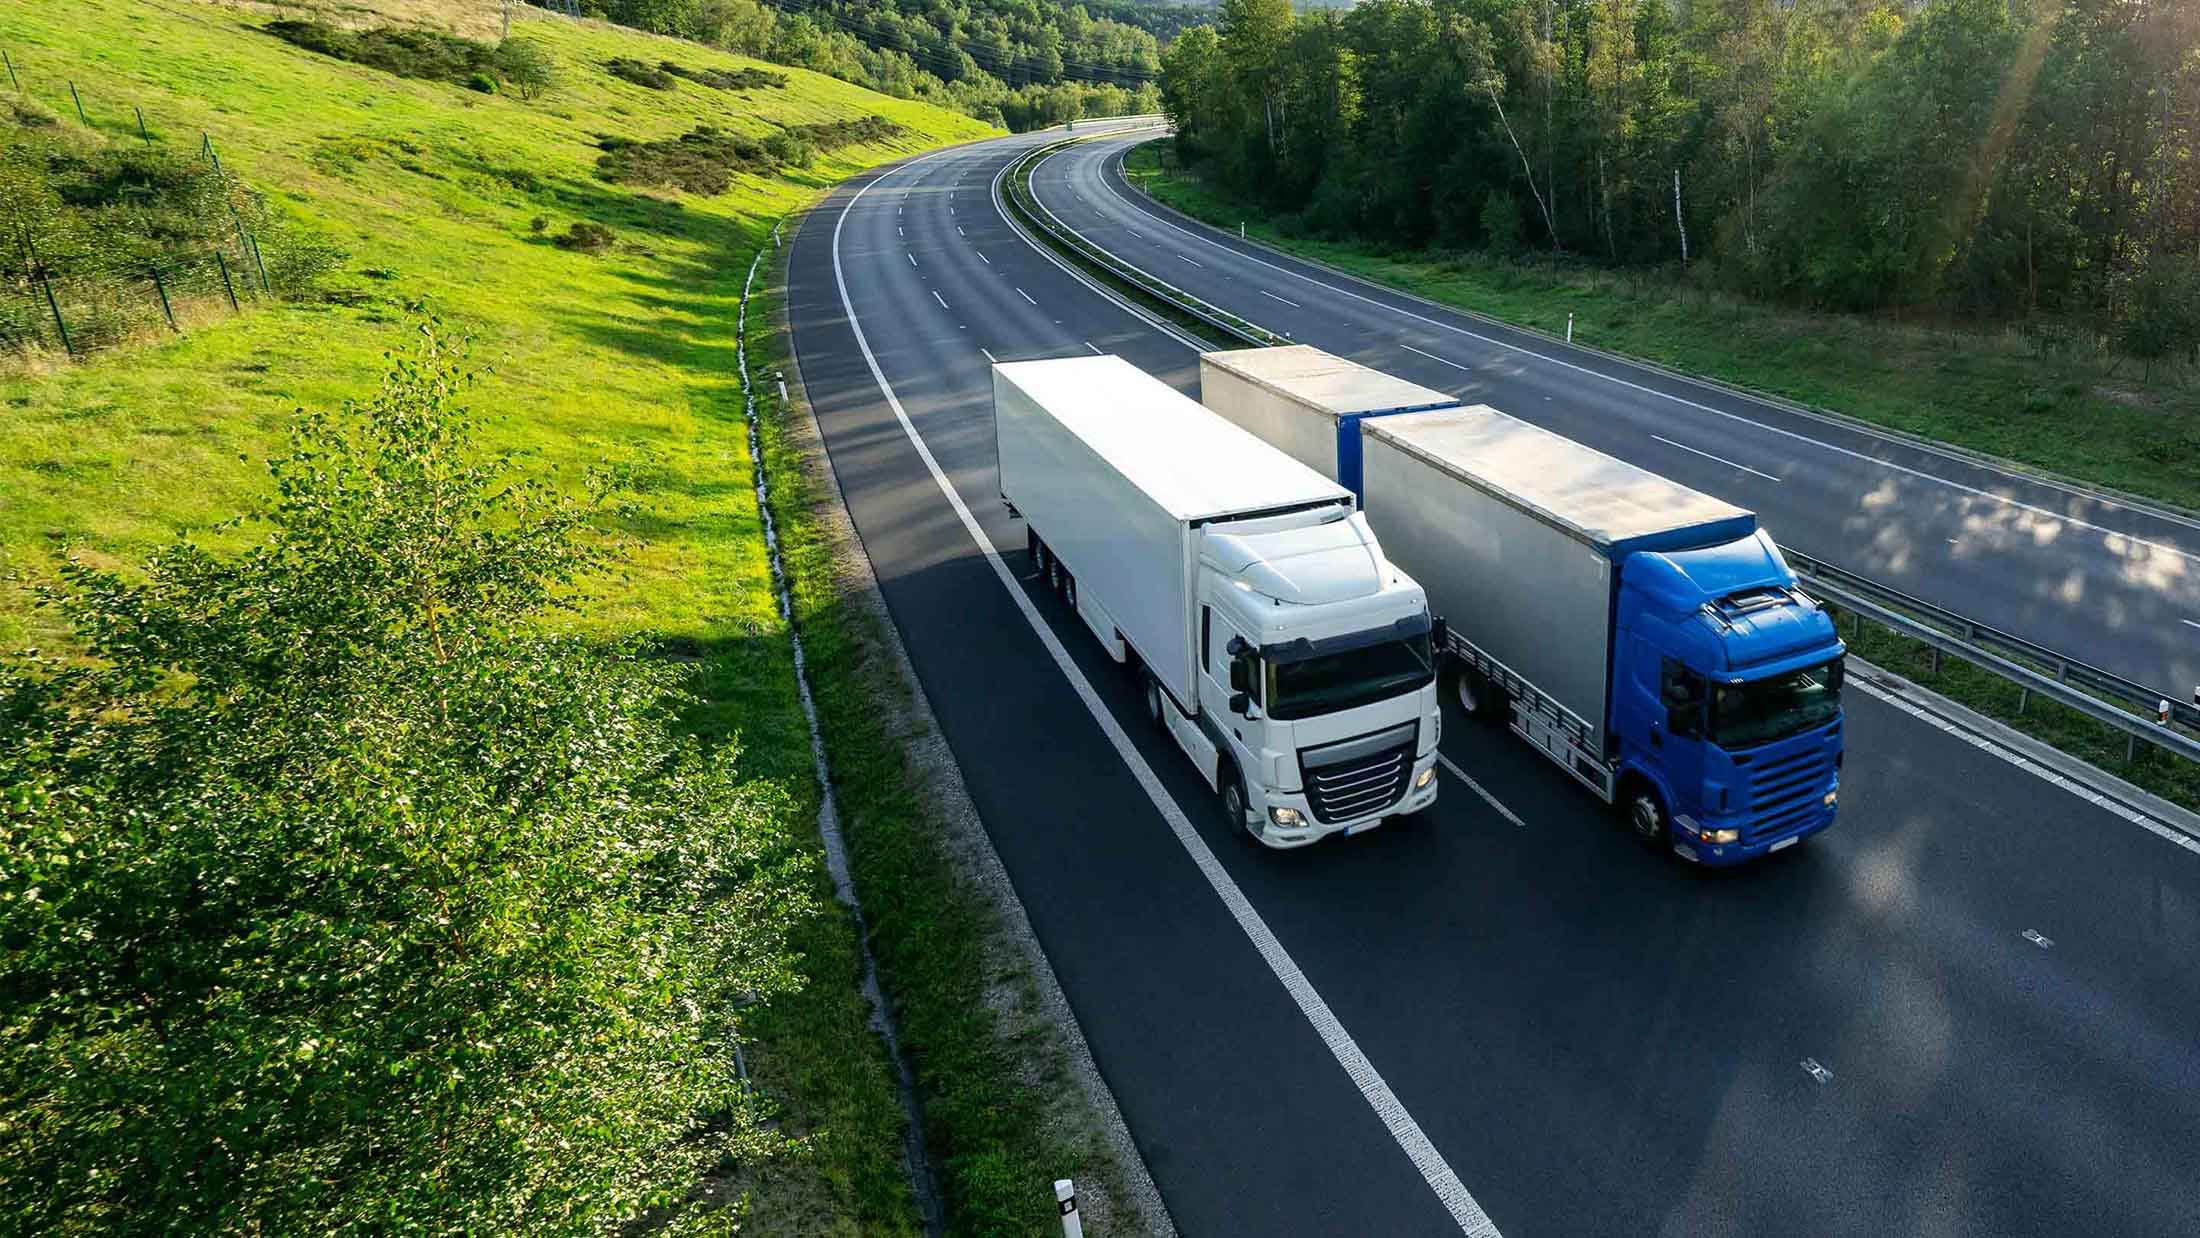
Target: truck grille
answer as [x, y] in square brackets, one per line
[1784, 793]
[1359, 777]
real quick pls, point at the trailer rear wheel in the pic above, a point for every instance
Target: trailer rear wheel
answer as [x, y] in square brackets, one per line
[1069, 590]
[1036, 547]
[1479, 697]
[1154, 704]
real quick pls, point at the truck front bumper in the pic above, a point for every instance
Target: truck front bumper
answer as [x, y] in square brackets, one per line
[1416, 798]
[1690, 845]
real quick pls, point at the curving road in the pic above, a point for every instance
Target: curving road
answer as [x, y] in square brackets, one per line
[2113, 584]
[1510, 1020]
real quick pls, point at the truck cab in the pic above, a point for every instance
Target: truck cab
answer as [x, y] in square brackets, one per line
[1727, 709]
[1316, 664]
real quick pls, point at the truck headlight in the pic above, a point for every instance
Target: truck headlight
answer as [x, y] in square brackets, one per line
[1831, 796]
[1720, 836]
[1426, 780]
[1288, 818]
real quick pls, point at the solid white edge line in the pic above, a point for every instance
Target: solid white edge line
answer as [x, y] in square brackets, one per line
[2028, 765]
[1476, 787]
[1867, 457]
[1714, 459]
[1433, 357]
[1450, 1191]
[1273, 297]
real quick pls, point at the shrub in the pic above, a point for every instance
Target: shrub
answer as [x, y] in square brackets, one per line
[527, 65]
[788, 150]
[481, 82]
[702, 160]
[338, 893]
[640, 74]
[585, 237]
[727, 79]
[537, 224]
[31, 114]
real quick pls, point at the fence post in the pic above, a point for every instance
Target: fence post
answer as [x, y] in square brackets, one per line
[226, 285]
[1936, 659]
[82, 119]
[59, 324]
[261, 263]
[1065, 1198]
[165, 308]
[141, 125]
[2024, 698]
[12, 79]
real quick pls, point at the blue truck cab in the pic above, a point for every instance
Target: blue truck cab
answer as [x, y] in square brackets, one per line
[1726, 700]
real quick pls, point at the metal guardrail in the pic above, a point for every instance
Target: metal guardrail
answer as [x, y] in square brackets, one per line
[2066, 681]
[1035, 213]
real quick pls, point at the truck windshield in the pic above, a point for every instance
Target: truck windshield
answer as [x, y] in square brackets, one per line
[1763, 710]
[1348, 680]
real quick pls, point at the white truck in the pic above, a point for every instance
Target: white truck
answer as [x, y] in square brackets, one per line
[1274, 642]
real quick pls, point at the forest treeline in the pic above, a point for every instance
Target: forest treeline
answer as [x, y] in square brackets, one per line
[1022, 64]
[1988, 158]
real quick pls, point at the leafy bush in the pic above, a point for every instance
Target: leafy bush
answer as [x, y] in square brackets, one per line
[338, 893]
[831, 135]
[426, 54]
[727, 79]
[586, 237]
[526, 64]
[640, 74]
[702, 160]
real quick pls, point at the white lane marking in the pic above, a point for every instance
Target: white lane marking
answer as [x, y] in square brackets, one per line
[1273, 297]
[1708, 456]
[2039, 939]
[1433, 357]
[990, 357]
[982, 258]
[912, 259]
[2150, 825]
[937, 297]
[1820, 1073]
[1866, 457]
[1094, 347]
[2189, 623]
[1101, 291]
[1189, 260]
[1492, 800]
[1450, 1191]
[959, 230]
[898, 231]
[1025, 295]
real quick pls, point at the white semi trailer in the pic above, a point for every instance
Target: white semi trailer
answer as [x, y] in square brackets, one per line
[1279, 648]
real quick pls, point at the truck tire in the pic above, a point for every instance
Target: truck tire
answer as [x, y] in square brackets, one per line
[1154, 702]
[1037, 548]
[1069, 590]
[1054, 574]
[1479, 697]
[1646, 817]
[1230, 797]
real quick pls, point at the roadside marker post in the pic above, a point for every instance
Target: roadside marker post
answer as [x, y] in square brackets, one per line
[1569, 327]
[1065, 1196]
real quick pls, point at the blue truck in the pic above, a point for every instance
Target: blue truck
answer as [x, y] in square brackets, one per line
[1648, 638]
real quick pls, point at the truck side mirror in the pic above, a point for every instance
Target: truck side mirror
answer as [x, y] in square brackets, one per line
[1241, 676]
[1439, 634]
[1241, 703]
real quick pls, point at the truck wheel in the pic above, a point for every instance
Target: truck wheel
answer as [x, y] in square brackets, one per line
[1069, 590]
[1478, 697]
[1036, 547]
[1054, 574]
[1154, 704]
[1646, 817]
[1233, 803]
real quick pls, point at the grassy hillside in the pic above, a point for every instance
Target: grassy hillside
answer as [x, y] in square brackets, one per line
[622, 356]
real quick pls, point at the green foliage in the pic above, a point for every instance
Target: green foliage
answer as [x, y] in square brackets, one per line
[429, 54]
[2159, 311]
[628, 70]
[728, 79]
[338, 893]
[1501, 222]
[705, 159]
[585, 237]
[1973, 156]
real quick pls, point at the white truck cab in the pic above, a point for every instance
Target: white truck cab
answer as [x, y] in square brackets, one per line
[1276, 644]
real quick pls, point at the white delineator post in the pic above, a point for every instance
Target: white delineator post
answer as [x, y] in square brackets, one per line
[1241, 229]
[1569, 328]
[1065, 1196]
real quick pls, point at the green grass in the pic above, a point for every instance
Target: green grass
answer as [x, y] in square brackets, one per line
[623, 357]
[1987, 391]
[997, 1143]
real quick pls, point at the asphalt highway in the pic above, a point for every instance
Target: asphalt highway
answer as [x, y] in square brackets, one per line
[1510, 1018]
[2106, 582]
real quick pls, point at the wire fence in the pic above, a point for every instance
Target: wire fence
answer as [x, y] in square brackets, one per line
[73, 299]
